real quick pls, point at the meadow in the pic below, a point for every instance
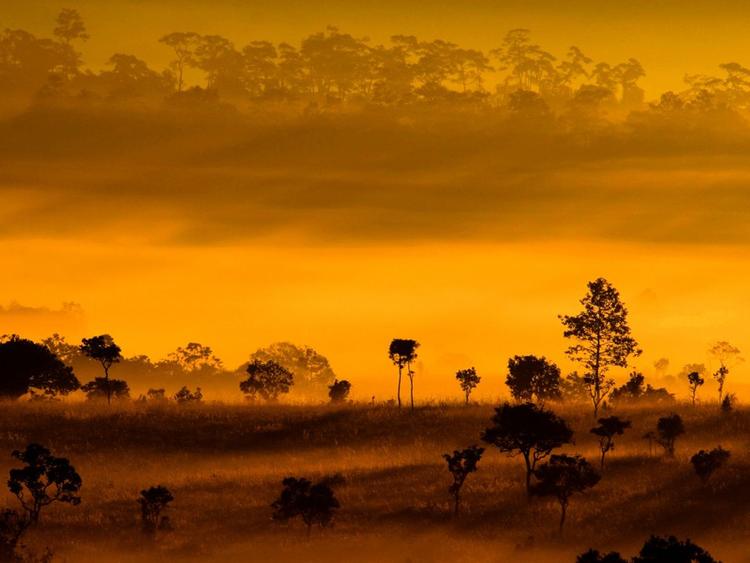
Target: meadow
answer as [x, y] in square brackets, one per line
[224, 464]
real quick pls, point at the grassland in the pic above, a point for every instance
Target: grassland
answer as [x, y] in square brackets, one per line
[224, 464]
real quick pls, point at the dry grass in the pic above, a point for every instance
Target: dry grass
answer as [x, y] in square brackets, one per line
[224, 464]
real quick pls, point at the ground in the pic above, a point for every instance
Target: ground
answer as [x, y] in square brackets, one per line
[224, 465]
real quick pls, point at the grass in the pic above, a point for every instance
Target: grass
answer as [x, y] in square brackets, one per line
[224, 464]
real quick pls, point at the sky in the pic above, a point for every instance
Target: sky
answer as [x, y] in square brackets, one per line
[343, 236]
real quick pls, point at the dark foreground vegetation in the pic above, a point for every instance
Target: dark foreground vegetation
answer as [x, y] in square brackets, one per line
[198, 483]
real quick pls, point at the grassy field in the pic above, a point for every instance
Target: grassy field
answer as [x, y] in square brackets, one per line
[224, 464]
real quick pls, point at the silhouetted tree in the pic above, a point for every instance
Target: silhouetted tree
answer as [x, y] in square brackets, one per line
[338, 391]
[727, 403]
[184, 45]
[670, 549]
[156, 395]
[603, 338]
[468, 380]
[593, 556]
[402, 352]
[574, 389]
[608, 428]
[460, 464]
[694, 381]
[12, 526]
[100, 389]
[103, 349]
[668, 429]
[267, 380]
[152, 502]
[706, 462]
[563, 476]
[185, 396]
[634, 391]
[26, 366]
[70, 26]
[44, 479]
[727, 355]
[312, 371]
[533, 379]
[315, 504]
[195, 358]
[529, 430]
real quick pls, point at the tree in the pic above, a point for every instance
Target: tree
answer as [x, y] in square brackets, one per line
[727, 355]
[468, 380]
[706, 463]
[100, 389]
[312, 371]
[531, 378]
[70, 26]
[43, 480]
[26, 366]
[574, 389]
[103, 349]
[183, 44]
[668, 429]
[602, 337]
[185, 396]
[694, 381]
[670, 549]
[608, 428]
[152, 502]
[634, 391]
[563, 476]
[315, 504]
[527, 430]
[338, 391]
[593, 556]
[267, 380]
[460, 464]
[195, 357]
[402, 352]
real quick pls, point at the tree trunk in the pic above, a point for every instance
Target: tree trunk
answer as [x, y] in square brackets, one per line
[467, 397]
[528, 475]
[106, 380]
[564, 506]
[455, 504]
[602, 464]
[411, 388]
[398, 392]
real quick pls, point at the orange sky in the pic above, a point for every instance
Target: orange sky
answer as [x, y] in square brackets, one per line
[236, 235]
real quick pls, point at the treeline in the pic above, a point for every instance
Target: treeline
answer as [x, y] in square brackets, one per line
[335, 71]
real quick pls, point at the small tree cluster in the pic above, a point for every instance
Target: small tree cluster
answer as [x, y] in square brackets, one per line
[266, 380]
[185, 396]
[562, 477]
[706, 463]
[533, 379]
[655, 550]
[527, 430]
[460, 464]
[315, 504]
[668, 429]
[339, 390]
[152, 502]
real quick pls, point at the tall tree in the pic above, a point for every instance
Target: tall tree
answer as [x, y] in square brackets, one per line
[727, 355]
[694, 381]
[602, 338]
[183, 44]
[468, 380]
[102, 349]
[70, 26]
[402, 352]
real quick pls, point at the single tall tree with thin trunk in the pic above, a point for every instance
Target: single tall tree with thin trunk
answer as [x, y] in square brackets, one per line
[402, 352]
[468, 380]
[608, 428]
[602, 338]
[694, 381]
[103, 349]
[727, 355]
